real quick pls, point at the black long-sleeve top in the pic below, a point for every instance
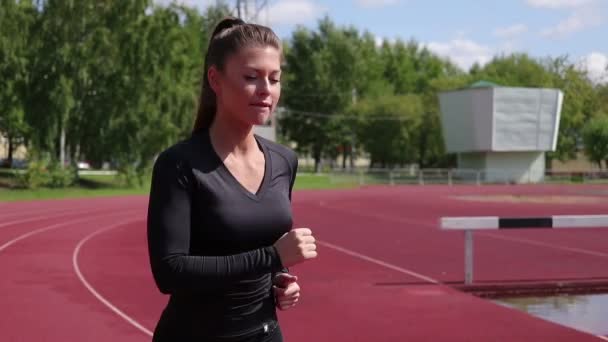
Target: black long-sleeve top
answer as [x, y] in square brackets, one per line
[211, 240]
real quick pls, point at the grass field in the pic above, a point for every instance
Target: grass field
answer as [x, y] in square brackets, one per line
[96, 185]
[93, 186]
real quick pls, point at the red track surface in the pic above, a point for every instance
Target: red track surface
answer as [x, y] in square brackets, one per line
[77, 270]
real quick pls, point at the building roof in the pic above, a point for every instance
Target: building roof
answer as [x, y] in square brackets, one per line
[484, 84]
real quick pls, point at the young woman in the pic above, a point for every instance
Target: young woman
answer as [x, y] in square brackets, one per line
[219, 218]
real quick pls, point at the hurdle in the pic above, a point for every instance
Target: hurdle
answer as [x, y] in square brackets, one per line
[470, 224]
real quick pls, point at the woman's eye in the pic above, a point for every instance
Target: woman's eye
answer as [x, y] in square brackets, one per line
[275, 81]
[250, 78]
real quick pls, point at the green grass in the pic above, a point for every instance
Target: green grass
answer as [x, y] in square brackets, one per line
[307, 181]
[96, 186]
[72, 192]
[87, 186]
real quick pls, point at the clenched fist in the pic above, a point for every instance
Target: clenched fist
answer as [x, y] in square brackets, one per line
[296, 246]
[286, 290]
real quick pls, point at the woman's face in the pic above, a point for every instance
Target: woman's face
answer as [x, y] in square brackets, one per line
[249, 87]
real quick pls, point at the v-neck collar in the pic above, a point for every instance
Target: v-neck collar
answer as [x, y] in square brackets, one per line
[225, 172]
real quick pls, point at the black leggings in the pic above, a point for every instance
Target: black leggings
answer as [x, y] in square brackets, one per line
[275, 335]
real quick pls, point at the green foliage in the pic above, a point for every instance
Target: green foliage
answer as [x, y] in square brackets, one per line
[390, 128]
[42, 172]
[61, 177]
[328, 70]
[35, 176]
[16, 21]
[118, 81]
[595, 138]
[130, 177]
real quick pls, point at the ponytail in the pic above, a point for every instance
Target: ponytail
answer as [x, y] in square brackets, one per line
[207, 101]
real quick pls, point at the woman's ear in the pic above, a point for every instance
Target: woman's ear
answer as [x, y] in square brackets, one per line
[213, 75]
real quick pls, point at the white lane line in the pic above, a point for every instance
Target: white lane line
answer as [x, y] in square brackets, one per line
[38, 218]
[379, 262]
[428, 279]
[44, 229]
[92, 289]
[374, 216]
[490, 235]
[30, 212]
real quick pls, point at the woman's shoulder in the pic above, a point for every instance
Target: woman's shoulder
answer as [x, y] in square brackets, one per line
[284, 151]
[178, 152]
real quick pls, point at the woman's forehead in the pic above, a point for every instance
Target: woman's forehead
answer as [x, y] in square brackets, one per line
[262, 58]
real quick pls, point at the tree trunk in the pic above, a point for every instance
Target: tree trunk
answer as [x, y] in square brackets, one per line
[317, 156]
[62, 147]
[422, 147]
[9, 160]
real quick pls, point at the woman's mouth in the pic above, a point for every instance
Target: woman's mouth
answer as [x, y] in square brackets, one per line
[261, 104]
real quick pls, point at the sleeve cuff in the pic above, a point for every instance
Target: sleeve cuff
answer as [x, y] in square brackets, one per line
[276, 263]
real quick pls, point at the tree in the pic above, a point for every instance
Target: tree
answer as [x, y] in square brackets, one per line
[580, 105]
[515, 70]
[70, 55]
[16, 21]
[320, 80]
[595, 139]
[390, 128]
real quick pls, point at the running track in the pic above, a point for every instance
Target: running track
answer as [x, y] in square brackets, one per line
[76, 270]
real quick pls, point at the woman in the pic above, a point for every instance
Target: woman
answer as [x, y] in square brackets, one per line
[219, 218]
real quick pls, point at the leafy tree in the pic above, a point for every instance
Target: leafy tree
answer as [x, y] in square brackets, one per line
[595, 138]
[16, 21]
[390, 128]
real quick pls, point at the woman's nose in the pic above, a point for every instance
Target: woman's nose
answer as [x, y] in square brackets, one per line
[263, 87]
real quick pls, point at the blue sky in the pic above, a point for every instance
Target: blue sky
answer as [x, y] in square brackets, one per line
[463, 30]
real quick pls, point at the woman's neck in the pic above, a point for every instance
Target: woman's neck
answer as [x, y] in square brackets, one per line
[230, 137]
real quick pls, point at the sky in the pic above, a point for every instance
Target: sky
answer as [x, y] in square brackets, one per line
[465, 31]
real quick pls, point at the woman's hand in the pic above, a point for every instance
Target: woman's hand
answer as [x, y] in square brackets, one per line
[296, 246]
[286, 290]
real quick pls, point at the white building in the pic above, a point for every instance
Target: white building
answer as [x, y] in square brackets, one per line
[502, 131]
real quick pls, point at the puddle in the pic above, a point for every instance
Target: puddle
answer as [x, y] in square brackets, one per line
[587, 313]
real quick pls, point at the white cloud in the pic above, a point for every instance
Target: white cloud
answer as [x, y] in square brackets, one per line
[596, 64]
[558, 4]
[200, 4]
[376, 3]
[290, 12]
[380, 40]
[463, 52]
[511, 31]
[576, 22]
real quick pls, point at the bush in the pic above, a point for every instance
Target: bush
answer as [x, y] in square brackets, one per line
[41, 173]
[35, 176]
[62, 178]
[132, 177]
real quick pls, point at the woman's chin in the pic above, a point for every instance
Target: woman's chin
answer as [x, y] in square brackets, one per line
[261, 119]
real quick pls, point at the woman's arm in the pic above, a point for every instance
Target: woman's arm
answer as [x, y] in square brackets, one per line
[168, 230]
[293, 165]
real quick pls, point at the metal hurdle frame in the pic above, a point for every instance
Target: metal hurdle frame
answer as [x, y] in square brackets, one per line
[470, 224]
